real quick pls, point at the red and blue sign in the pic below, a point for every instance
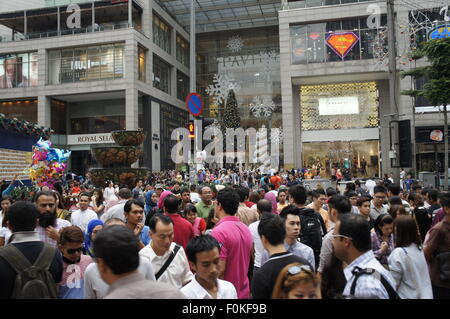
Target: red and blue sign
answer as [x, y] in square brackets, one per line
[194, 104]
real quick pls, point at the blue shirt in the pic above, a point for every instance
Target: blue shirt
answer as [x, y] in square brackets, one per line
[145, 235]
[408, 183]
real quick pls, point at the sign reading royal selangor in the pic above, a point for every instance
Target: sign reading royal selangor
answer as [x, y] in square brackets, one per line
[89, 139]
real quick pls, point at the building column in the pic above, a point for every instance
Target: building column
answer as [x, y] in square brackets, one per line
[288, 114]
[131, 109]
[156, 130]
[147, 23]
[44, 111]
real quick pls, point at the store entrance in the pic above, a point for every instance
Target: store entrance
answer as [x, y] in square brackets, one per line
[351, 159]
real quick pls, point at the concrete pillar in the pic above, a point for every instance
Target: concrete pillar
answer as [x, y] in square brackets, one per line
[131, 109]
[44, 111]
[156, 130]
[147, 19]
[42, 67]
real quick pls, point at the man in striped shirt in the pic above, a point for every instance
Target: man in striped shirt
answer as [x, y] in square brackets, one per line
[352, 245]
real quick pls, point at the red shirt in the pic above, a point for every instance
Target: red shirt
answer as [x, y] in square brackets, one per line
[249, 204]
[276, 180]
[182, 229]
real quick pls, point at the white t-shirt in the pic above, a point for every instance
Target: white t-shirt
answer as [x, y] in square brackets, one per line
[5, 232]
[225, 290]
[178, 273]
[94, 286]
[370, 184]
[259, 248]
[82, 218]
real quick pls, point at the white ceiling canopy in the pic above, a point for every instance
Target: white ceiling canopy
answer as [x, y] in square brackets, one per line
[218, 15]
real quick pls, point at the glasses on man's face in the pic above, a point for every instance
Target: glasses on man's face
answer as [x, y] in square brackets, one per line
[51, 205]
[73, 251]
[380, 197]
[342, 236]
[295, 270]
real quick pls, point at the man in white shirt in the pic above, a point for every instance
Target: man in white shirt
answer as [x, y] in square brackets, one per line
[203, 256]
[161, 248]
[352, 245]
[84, 215]
[263, 206]
[370, 184]
[94, 286]
[49, 224]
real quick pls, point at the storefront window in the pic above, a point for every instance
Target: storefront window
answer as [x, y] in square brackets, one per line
[182, 51]
[161, 33]
[333, 41]
[161, 74]
[25, 110]
[18, 70]
[339, 106]
[352, 158]
[58, 116]
[86, 64]
[182, 85]
[141, 63]
[97, 116]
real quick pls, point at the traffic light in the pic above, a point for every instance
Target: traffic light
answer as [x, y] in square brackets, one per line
[191, 129]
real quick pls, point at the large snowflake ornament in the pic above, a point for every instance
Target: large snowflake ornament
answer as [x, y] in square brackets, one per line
[221, 87]
[262, 106]
[235, 44]
[269, 61]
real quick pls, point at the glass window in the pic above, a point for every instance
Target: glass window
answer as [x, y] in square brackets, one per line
[299, 44]
[316, 44]
[22, 110]
[58, 116]
[161, 33]
[182, 85]
[18, 70]
[85, 63]
[421, 100]
[161, 74]
[141, 63]
[182, 51]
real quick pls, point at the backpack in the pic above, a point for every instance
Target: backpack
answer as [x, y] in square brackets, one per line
[312, 226]
[358, 272]
[32, 281]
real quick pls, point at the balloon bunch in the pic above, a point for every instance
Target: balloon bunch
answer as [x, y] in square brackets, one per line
[48, 164]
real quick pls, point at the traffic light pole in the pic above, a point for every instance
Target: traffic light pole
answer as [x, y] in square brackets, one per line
[192, 69]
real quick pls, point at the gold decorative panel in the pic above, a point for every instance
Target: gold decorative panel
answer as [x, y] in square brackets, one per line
[364, 114]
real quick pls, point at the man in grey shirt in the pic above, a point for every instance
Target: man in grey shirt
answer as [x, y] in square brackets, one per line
[117, 252]
[377, 206]
[338, 205]
[291, 218]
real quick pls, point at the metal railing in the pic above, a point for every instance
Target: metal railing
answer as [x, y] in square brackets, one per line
[49, 34]
[317, 3]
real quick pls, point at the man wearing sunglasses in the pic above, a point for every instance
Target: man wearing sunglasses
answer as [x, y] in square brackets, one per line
[74, 263]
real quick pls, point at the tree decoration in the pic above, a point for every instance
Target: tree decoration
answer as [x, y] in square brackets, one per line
[231, 117]
[269, 61]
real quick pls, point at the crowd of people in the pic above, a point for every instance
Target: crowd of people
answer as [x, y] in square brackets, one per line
[229, 235]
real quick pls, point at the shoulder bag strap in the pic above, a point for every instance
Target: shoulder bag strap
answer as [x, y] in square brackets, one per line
[370, 271]
[45, 258]
[168, 262]
[15, 258]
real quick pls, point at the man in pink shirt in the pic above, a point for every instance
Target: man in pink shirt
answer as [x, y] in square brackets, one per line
[236, 240]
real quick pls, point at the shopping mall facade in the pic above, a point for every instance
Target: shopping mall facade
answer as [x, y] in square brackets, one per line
[127, 67]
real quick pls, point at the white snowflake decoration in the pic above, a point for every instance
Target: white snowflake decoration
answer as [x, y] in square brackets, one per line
[277, 138]
[262, 106]
[235, 44]
[269, 61]
[261, 154]
[215, 126]
[221, 87]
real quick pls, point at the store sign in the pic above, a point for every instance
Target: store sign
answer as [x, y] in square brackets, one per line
[437, 135]
[338, 105]
[87, 139]
[342, 43]
[439, 32]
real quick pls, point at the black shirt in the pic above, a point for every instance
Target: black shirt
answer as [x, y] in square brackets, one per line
[31, 251]
[265, 277]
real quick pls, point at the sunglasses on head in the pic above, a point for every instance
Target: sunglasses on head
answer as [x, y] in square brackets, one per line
[73, 251]
[294, 270]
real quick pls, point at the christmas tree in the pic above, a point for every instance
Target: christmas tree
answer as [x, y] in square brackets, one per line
[231, 113]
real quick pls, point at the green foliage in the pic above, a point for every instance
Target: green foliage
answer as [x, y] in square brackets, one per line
[436, 90]
[24, 193]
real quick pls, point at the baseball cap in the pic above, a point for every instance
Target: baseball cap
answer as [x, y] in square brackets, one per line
[159, 186]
